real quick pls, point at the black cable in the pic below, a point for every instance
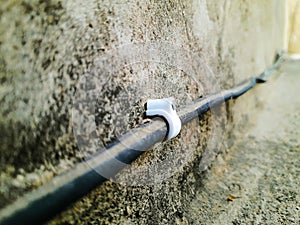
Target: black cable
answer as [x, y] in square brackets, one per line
[42, 204]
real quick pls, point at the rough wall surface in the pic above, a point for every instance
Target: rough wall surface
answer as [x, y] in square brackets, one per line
[152, 49]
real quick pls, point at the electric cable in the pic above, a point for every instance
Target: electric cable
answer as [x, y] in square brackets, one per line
[47, 201]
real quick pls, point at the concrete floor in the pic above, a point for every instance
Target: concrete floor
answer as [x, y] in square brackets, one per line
[258, 181]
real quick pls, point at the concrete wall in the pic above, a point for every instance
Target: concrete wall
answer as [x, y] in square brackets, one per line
[136, 50]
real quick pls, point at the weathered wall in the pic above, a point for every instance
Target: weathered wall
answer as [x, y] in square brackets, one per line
[153, 49]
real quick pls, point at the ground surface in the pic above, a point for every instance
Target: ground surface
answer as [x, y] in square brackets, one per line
[262, 169]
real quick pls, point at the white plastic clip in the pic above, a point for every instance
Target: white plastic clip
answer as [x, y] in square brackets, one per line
[165, 108]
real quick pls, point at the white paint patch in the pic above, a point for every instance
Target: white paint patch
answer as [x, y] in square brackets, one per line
[293, 57]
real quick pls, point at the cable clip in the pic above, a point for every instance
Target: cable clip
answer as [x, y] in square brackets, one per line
[165, 108]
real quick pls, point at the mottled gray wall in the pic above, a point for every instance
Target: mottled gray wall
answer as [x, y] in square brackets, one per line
[136, 50]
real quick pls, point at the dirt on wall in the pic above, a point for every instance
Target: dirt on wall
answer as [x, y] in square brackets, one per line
[136, 50]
